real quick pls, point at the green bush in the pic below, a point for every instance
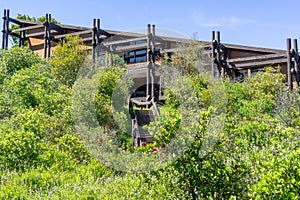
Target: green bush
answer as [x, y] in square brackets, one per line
[16, 58]
[19, 150]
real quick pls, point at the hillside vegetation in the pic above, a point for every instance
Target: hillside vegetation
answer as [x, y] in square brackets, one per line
[255, 155]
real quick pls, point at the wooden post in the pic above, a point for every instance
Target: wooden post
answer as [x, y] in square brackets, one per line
[218, 54]
[20, 38]
[49, 36]
[97, 33]
[249, 72]
[7, 29]
[213, 54]
[98, 40]
[4, 29]
[94, 40]
[148, 59]
[23, 35]
[153, 61]
[296, 62]
[289, 64]
[45, 37]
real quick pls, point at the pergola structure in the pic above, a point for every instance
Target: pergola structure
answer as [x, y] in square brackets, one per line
[141, 52]
[226, 59]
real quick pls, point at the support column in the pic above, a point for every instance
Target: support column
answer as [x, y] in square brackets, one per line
[94, 41]
[46, 37]
[219, 54]
[49, 36]
[98, 40]
[148, 59]
[4, 32]
[153, 61]
[6, 29]
[22, 36]
[289, 64]
[213, 54]
[296, 62]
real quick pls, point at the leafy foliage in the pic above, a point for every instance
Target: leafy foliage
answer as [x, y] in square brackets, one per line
[255, 155]
[15, 59]
[67, 59]
[103, 98]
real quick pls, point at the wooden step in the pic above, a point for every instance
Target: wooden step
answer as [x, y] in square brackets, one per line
[145, 136]
[144, 117]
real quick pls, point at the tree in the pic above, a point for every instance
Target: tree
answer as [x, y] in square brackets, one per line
[15, 59]
[67, 59]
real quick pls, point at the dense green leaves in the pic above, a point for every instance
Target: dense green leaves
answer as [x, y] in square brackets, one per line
[15, 59]
[103, 97]
[254, 156]
[67, 59]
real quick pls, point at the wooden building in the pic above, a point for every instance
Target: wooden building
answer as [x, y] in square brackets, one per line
[225, 59]
[140, 52]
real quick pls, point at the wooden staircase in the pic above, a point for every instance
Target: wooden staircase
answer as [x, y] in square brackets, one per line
[144, 117]
[146, 113]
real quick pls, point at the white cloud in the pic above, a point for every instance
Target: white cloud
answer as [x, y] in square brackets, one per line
[226, 21]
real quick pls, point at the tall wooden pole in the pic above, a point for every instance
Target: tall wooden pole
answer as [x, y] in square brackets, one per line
[7, 27]
[4, 29]
[219, 54]
[98, 40]
[153, 61]
[45, 37]
[213, 54]
[289, 64]
[296, 62]
[49, 36]
[94, 40]
[148, 59]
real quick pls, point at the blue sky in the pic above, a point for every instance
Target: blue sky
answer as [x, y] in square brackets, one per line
[263, 23]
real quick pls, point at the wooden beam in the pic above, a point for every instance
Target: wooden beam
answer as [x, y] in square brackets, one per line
[15, 34]
[27, 28]
[27, 22]
[37, 47]
[125, 41]
[141, 103]
[72, 34]
[15, 21]
[128, 34]
[173, 39]
[56, 27]
[38, 34]
[261, 63]
[252, 58]
[133, 47]
[254, 49]
[103, 32]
